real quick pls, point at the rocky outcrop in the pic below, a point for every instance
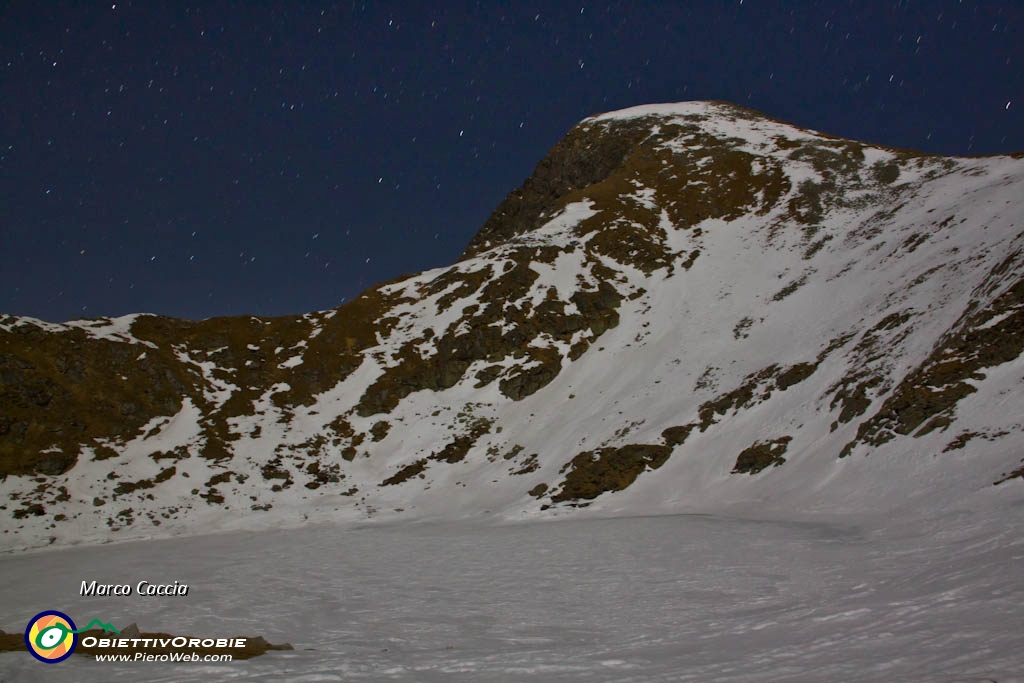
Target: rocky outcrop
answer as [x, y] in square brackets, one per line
[581, 159]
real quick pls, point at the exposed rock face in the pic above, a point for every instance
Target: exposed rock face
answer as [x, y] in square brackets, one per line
[761, 455]
[579, 160]
[681, 300]
[591, 473]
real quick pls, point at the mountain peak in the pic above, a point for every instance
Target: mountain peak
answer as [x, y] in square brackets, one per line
[686, 307]
[668, 110]
[616, 147]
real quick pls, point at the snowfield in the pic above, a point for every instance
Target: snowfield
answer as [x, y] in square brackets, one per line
[669, 598]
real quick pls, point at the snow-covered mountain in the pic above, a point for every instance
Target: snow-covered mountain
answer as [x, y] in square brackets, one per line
[688, 307]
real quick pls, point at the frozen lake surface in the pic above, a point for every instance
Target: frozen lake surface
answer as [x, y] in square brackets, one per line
[675, 598]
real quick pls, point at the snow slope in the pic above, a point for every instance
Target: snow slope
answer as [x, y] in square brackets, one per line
[740, 318]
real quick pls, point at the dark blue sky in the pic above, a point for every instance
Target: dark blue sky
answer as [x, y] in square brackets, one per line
[271, 158]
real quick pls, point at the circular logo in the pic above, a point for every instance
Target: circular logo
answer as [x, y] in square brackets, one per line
[50, 636]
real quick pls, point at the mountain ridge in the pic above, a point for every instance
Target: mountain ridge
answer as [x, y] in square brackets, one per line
[703, 226]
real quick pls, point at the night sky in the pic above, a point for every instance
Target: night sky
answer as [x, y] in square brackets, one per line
[274, 158]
